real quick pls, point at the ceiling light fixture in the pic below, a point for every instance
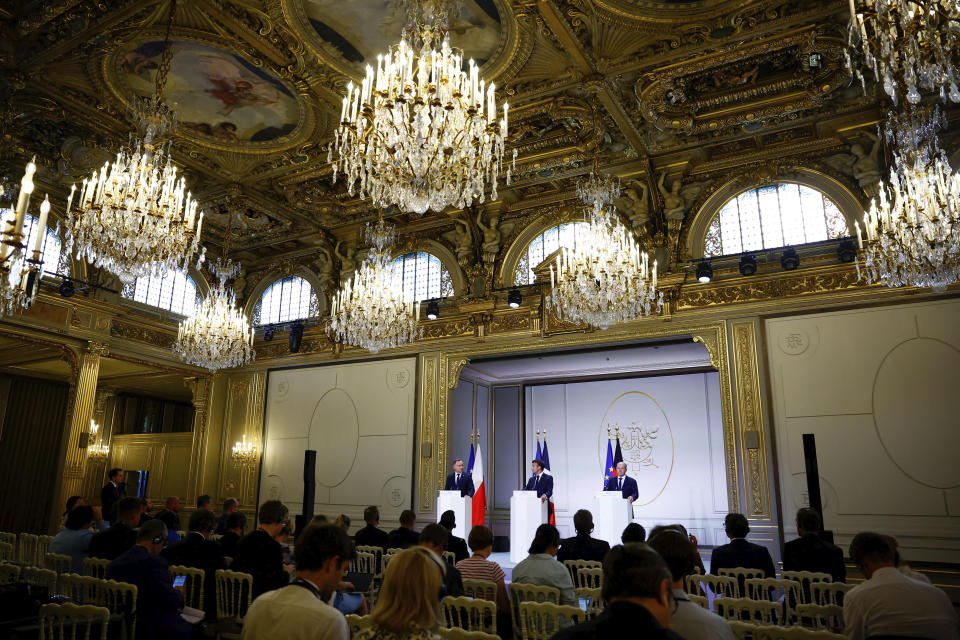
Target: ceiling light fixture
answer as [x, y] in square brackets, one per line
[514, 299]
[704, 272]
[433, 310]
[19, 275]
[748, 265]
[135, 217]
[789, 259]
[420, 133]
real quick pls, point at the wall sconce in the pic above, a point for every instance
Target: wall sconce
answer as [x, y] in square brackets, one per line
[245, 453]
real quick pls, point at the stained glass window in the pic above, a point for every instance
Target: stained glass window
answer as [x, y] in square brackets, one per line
[287, 299]
[773, 216]
[562, 235]
[423, 276]
[175, 291]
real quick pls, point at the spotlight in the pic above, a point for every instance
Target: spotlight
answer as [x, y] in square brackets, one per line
[296, 335]
[433, 310]
[514, 298]
[748, 265]
[789, 260]
[66, 288]
[268, 333]
[846, 251]
[704, 272]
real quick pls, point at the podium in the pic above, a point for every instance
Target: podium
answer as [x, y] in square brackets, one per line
[462, 508]
[611, 514]
[527, 512]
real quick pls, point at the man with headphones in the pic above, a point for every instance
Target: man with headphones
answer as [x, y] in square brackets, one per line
[158, 601]
[433, 541]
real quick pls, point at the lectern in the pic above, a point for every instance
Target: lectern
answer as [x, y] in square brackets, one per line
[611, 514]
[462, 508]
[527, 512]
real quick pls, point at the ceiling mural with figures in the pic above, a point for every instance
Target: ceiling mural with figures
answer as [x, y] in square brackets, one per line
[692, 96]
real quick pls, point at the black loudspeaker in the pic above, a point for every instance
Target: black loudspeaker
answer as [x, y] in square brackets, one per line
[813, 480]
[309, 488]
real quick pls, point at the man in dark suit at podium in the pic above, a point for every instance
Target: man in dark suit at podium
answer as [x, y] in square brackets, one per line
[540, 482]
[458, 480]
[810, 552]
[626, 485]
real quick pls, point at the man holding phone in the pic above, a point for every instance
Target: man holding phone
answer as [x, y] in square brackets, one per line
[198, 551]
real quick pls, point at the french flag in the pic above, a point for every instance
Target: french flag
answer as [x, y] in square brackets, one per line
[480, 492]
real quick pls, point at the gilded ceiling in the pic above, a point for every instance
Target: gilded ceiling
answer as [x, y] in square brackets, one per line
[691, 94]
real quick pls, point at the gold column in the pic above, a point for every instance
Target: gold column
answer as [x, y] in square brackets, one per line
[200, 388]
[750, 415]
[84, 396]
[432, 447]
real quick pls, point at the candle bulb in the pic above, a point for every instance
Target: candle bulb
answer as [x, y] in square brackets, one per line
[41, 227]
[856, 224]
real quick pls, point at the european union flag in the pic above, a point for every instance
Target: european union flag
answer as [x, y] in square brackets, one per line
[610, 469]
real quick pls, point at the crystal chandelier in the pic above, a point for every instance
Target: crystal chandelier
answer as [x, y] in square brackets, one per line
[913, 233]
[218, 335]
[420, 133]
[910, 47]
[244, 454]
[604, 279]
[136, 217]
[19, 274]
[370, 311]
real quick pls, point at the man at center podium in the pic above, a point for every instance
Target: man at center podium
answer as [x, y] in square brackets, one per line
[459, 481]
[540, 482]
[626, 485]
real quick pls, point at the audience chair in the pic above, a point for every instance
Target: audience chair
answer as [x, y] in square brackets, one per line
[470, 614]
[542, 620]
[574, 567]
[357, 623]
[746, 610]
[793, 633]
[481, 589]
[59, 562]
[43, 544]
[776, 590]
[80, 589]
[742, 630]
[121, 599]
[38, 577]
[828, 592]
[27, 549]
[193, 583]
[377, 553]
[462, 634]
[450, 558]
[722, 586]
[364, 563]
[741, 574]
[593, 600]
[520, 592]
[9, 573]
[9, 538]
[388, 555]
[6, 552]
[700, 601]
[806, 578]
[96, 567]
[827, 617]
[589, 577]
[71, 621]
[233, 599]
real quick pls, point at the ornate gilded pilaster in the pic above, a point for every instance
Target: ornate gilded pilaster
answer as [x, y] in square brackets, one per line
[433, 445]
[84, 393]
[750, 420]
[200, 388]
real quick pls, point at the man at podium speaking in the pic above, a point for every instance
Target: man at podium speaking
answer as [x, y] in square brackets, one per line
[626, 485]
[459, 481]
[540, 482]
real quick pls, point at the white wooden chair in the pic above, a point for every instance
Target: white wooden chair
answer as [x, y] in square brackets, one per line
[462, 634]
[377, 553]
[194, 579]
[482, 589]
[742, 630]
[806, 578]
[723, 586]
[574, 567]
[542, 620]
[783, 592]
[58, 562]
[593, 599]
[6, 551]
[43, 545]
[793, 633]
[121, 599]
[27, 549]
[741, 574]
[73, 621]
[234, 594]
[96, 567]
[828, 592]
[357, 623]
[700, 601]
[80, 589]
[37, 577]
[470, 614]
[825, 617]
[520, 592]
[746, 610]
[9, 573]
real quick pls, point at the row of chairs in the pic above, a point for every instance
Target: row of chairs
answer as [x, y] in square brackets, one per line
[27, 549]
[748, 631]
[807, 587]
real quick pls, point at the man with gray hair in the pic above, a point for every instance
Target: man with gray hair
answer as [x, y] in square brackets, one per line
[637, 588]
[158, 601]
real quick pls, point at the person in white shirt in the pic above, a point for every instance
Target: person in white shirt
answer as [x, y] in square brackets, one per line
[300, 611]
[690, 620]
[889, 603]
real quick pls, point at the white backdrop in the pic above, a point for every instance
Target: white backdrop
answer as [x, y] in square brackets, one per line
[671, 436]
[359, 418]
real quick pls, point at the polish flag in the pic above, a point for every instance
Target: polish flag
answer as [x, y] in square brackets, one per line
[479, 494]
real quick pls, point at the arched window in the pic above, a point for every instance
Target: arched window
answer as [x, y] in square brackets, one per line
[287, 299]
[54, 260]
[175, 291]
[423, 276]
[562, 235]
[773, 216]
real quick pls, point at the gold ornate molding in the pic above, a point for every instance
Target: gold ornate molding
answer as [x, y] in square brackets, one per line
[750, 417]
[433, 400]
[456, 366]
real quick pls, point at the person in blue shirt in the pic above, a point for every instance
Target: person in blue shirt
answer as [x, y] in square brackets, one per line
[74, 540]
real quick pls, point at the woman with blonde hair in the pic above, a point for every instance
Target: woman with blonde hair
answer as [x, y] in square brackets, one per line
[408, 607]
